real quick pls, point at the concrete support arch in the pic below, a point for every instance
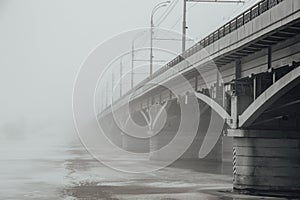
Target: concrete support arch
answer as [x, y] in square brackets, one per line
[271, 95]
[212, 138]
[214, 105]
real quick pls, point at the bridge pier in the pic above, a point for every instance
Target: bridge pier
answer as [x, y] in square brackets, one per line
[115, 136]
[137, 145]
[112, 131]
[157, 142]
[171, 128]
[222, 152]
[162, 139]
[266, 161]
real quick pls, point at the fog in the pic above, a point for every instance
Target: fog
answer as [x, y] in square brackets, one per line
[44, 42]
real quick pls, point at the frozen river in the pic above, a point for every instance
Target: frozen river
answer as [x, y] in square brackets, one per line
[71, 173]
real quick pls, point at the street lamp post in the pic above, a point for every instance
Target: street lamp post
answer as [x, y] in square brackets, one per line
[106, 91]
[132, 57]
[156, 8]
[112, 87]
[132, 62]
[121, 74]
[184, 26]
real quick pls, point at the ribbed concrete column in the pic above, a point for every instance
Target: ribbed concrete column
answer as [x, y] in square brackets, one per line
[133, 144]
[266, 161]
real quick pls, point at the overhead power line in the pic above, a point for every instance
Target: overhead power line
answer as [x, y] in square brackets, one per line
[167, 12]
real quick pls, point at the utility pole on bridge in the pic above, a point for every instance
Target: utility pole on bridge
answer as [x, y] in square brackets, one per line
[156, 8]
[112, 87]
[184, 24]
[121, 74]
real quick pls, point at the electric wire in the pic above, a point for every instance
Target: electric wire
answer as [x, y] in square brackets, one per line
[168, 12]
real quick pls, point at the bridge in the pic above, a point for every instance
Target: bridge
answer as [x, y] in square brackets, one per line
[245, 77]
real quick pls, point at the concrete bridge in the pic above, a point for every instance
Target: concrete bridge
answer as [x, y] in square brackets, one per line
[246, 77]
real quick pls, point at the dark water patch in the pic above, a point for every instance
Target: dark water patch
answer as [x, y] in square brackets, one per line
[204, 166]
[95, 191]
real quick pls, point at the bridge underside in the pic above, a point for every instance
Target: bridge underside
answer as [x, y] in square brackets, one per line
[222, 151]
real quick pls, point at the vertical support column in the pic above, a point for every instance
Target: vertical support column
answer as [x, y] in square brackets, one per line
[121, 74]
[239, 99]
[196, 83]
[112, 88]
[106, 95]
[269, 57]
[238, 69]
[166, 134]
[132, 64]
[220, 91]
[234, 111]
[254, 88]
[234, 98]
[131, 143]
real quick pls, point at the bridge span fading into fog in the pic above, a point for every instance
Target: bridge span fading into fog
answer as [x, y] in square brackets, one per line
[247, 74]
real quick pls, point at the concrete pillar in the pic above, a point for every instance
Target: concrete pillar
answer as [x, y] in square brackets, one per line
[164, 136]
[266, 161]
[133, 144]
[157, 142]
[192, 153]
[221, 151]
[112, 131]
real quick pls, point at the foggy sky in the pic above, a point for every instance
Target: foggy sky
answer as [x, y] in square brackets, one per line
[44, 42]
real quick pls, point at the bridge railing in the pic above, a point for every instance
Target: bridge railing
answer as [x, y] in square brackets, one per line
[226, 29]
[229, 27]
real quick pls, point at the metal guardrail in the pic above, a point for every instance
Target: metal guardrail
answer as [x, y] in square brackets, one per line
[226, 29]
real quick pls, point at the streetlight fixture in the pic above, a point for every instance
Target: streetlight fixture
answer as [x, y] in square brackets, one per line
[156, 8]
